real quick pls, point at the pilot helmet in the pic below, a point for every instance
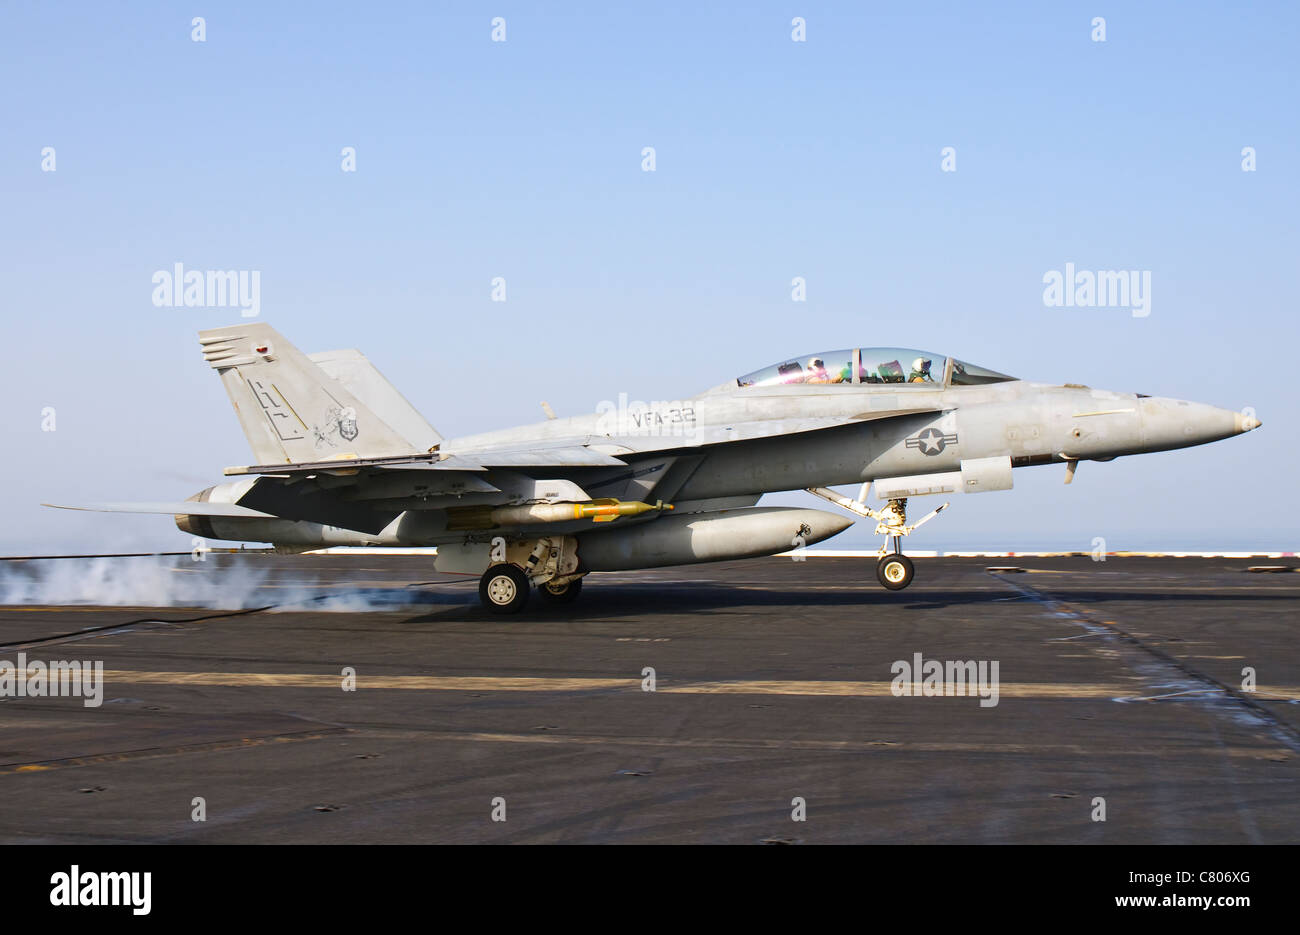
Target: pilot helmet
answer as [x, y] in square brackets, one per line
[816, 362]
[921, 364]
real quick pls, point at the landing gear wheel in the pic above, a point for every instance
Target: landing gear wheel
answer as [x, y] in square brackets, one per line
[566, 593]
[503, 589]
[895, 571]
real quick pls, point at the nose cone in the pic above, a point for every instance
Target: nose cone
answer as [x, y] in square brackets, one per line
[814, 525]
[1177, 423]
[829, 524]
[1244, 423]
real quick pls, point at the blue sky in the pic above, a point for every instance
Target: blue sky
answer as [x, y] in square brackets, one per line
[774, 159]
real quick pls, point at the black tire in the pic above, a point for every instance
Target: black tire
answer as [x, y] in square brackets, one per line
[895, 571]
[567, 594]
[503, 589]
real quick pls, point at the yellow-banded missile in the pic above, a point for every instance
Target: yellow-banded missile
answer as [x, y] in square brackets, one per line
[602, 511]
[530, 514]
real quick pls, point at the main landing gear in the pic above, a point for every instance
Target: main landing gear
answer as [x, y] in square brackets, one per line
[504, 588]
[565, 593]
[893, 569]
[550, 563]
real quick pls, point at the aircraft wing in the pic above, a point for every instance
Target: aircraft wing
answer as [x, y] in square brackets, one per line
[577, 451]
[745, 431]
[367, 494]
[191, 507]
[560, 456]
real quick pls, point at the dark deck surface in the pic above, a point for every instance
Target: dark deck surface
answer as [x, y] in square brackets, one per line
[1118, 679]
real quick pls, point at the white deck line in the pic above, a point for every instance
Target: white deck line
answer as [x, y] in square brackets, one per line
[871, 553]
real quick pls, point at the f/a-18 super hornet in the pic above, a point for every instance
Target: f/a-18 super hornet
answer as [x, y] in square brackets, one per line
[345, 460]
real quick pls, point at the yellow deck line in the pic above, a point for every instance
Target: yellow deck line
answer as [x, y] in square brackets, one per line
[760, 743]
[881, 688]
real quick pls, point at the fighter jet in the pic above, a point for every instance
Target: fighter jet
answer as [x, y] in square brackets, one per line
[344, 460]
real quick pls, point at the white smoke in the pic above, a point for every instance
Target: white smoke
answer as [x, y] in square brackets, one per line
[153, 581]
[176, 581]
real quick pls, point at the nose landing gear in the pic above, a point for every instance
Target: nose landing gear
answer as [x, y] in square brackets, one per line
[894, 570]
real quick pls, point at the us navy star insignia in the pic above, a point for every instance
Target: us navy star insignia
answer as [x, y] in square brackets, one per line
[931, 441]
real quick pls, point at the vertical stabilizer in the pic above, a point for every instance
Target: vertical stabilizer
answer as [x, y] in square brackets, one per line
[290, 409]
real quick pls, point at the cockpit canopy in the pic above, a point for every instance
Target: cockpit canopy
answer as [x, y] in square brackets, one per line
[873, 365]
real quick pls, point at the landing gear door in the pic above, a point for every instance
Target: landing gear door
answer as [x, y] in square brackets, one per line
[983, 474]
[464, 558]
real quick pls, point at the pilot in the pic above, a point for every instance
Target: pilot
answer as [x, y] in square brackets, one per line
[791, 372]
[816, 372]
[920, 371]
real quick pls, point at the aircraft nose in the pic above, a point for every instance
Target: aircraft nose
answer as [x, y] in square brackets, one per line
[1178, 423]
